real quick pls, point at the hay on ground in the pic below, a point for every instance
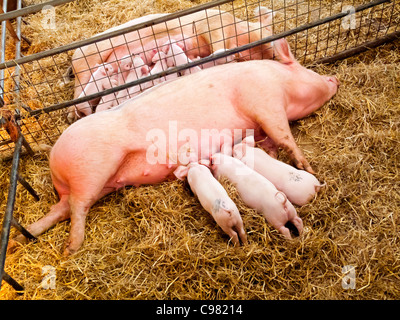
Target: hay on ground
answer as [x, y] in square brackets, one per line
[156, 242]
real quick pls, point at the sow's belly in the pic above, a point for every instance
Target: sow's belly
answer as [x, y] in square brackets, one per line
[137, 169]
[157, 162]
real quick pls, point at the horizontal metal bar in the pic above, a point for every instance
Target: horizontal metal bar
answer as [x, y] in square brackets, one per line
[359, 49]
[105, 36]
[8, 215]
[31, 9]
[204, 60]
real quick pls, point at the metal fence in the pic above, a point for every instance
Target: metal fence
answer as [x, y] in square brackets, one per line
[36, 93]
[36, 86]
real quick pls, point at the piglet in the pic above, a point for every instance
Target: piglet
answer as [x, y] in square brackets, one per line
[125, 67]
[108, 101]
[160, 60]
[176, 56]
[299, 186]
[214, 199]
[258, 193]
[99, 81]
[111, 100]
[138, 70]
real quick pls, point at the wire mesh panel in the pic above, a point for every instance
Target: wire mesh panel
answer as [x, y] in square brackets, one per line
[124, 61]
[353, 30]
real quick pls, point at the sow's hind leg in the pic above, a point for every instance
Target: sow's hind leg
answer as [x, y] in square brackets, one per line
[58, 212]
[80, 204]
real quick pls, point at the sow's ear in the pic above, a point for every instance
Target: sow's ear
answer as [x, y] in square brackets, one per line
[282, 52]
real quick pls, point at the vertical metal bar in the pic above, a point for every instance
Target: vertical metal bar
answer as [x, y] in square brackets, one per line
[3, 52]
[8, 215]
[18, 53]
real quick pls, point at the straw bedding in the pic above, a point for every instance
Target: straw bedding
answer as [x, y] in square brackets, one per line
[156, 242]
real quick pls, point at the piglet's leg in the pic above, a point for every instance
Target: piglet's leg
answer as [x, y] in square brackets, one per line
[110, 100]
[229, 220]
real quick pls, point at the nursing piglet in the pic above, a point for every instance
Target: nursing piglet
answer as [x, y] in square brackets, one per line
[175, 56]
[103, 78]
[160, 60]
[214, 199]
[111, 100]
[258, 193]
[137, 70]
[298, 185]
[140, 70]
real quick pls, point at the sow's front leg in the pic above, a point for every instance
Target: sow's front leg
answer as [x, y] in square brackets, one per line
[275, 124]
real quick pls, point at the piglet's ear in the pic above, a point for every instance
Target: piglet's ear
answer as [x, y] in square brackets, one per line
[281, 197]
[265, 15]
[282, 52]
[181, 172]
[145, 70]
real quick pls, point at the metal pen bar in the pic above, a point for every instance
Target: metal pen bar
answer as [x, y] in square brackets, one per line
[204, 60]
[3, 52]
[26, 144]
[21, 229]
[149, 23]
[105, 36]
[12, 282]
[361, 48]
[18, 52]
[31, 9]
[28, 187]
[8, 215]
